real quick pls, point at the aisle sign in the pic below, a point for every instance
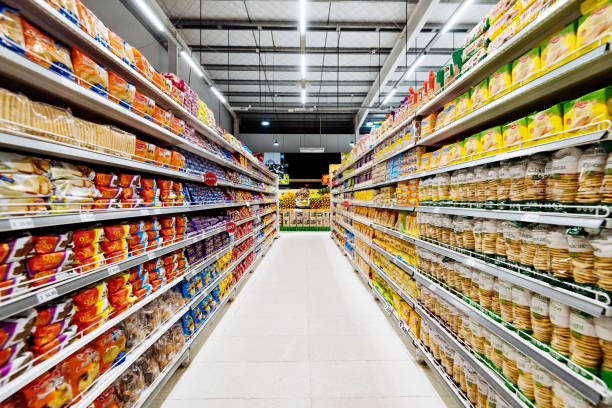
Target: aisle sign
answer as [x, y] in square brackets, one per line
[230, 227]
[210, 179]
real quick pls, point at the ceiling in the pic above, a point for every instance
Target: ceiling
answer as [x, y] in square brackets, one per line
[252, 51]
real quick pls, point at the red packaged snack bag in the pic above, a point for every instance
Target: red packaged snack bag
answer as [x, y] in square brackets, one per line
[120, 296]
[43, 244]
[136, 238]
[106, 179]
[107, 399]
[87, 326]
[111, 348]
[180, 221]
[167, 232]
[164, 184]
[45, 334]
[142, 65]
[114, 232]
[152, 244]
[43, 277]
[52, 260]
[46, 52]
[167, 222]
[126, 193]
[51, 389]
[89, 264]
[116, 256]
[82, 253]
[86, 237]
[107, 193]
[137, 249]
[155, 284]
[136, 226]
[167, 196]
[152, 225]
[161, 117]
[116, 283]
[179, 230]
[120, 90]
[104, 203]
[109, 247]
[177, 95]
[90, 296]
[143, 106]
[129, 180]
[152, 264]
[140, 150]
[147, 182]
[54, 313]
[81, 368]
[11, 270]
[149, 194]
[152, 234]
[89, 74]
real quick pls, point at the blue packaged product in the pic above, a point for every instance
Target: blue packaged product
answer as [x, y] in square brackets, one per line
[11, 31]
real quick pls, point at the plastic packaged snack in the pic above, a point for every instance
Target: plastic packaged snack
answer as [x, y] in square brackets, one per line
[11, 31]
[591, 167]
[546, 122]
[45, 51]
[111, 348]
[142, 65]
[81, 369]
[559, 46]
[558, 248]
[594, 24]
[525, 67]
[582, 256]
[602, 258]
[129, 386]
[143, 106]
[585, 349]
[89, 73]
[115, 43]
[480, 28]
[500, 80]
[565, 175]
[51, 389]
[120, 91]
[480, 93]
[584, 111]
[473, 145]
[559, 317]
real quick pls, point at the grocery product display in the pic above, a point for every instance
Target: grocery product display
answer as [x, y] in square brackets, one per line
[482, 229]
[304, 210]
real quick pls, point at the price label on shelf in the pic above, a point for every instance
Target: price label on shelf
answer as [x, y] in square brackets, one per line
[46, 295]
[403, 327]
[527, 217]
[388, 308]
[113, 270]
[87, 217]
[21, 223]
[209, 178]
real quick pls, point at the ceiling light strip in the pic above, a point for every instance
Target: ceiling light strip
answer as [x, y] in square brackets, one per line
[194, 65]
[150, 15]
[218, 94]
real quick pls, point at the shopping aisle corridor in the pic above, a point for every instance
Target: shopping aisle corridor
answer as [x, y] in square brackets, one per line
[303, 332]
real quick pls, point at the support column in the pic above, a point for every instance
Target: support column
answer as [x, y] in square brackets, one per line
[173, 54]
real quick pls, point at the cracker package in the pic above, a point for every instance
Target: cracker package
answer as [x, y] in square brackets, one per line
[116, 45]
[477, 31]
[89, 74]
[546, 122]
[594, 24]
[480, 93]
[457, 152]
[463, 104]
[428, 124]
[11, 31]
[445, 155]
[591, 166]
[142, 65]
[424, 163]
[514, 133]
[559, 46]
[525, 68]
[472, 145]
[434, 159]
[492, 140]
[68, 8]
[449, 114]
[120, 90]
[473, 48]
[565, 175]
[500, 80]
[45, 51]
[589, 109]
[143, 106]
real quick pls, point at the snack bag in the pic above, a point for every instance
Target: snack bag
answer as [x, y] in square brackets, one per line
[472, 145]
[142, 65]
[428, 124]
[449, 113]
[46, 52]
[89, 73]
[559, 46]
[51, 389]
[81, 369]
[143, 106]
[100, 31]
[514, 133]
[492, 140]
[424, 163]
[434, 159]
[480, 93]
[463, 104]
[545, 123]
[591, 108]
[116, 45]
[120, 90]
[67, 8]
[129, 55]
[457, 152]
[86, 19]
[445, 155]
[524, 69]
[161, 117]
[11, 31]
[595, 24]
[500, 80]
[477, 31]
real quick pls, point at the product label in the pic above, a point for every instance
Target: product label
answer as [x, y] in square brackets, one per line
[594, 162]
[557, 239]
[582, 324]
[559, 313]
[578, 243]
[541, 377]
[521, 296]
[565, 165]
[505, 290]
[539, 305]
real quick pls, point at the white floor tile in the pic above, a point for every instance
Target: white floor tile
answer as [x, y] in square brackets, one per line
[398, 402]
[358, 348]
[238, 403]
[254, 348]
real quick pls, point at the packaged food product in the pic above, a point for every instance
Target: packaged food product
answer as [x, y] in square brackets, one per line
[51, 389]
[111, 348]
[585, 349]
[565, 175]
[591, 167]
[11, 31]
[89, 73]
[480, 28]
[143, 106]
[535, 180]
[594, 24]
[525, 375]
[161, 117]
[45, 51]
[90, 296]
[492, 140]
[142, 65]
[514, 133]
[526, 67]
[558, 248]
[120, 90]
[473, 145]
[544, 123]
[542, 386]
[587, 110]
[582, 256]
[560, 317]
[480, 93]
[559, 46]
[428, 124]
[129, 386]
[500, 80]
[448, 114]
[81, 369]
[463, 104]
[473, 47]
[602, 258]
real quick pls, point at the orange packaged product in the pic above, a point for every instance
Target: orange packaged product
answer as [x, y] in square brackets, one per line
[87, 251]
[129, 54]
[87, 314]
[120, 90]
[100, 31]
[46, 52]
[161, 117]
[162, 156]
[107, 399]
[68, 8]
[108, 192]
[159, 80]
[143, 106]
[86, 19]
[113, 232]
[89, 73]
[111, 348]
[177, 160]
[140, 150]
[177, 95]
[150, 153]
[109, 247]
[116, 256]
[116, 283]
[90, 296]
[89, 264]
[50, 390]
[116, 45]
[142, 65]
[81, 369]
[121, 296]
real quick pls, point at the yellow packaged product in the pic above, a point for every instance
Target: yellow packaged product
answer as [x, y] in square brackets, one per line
[428, 124]
[472, 145]
[480, 93]
[449, 113]
[491, 140]
[415, 323]
[500, 80]
[434, 159]
[525, 68]
[424, 163]
[457, 152]
[558, 47]
[591, 26]
[587, 110]
[498, 11]
[530, 13]
[463, 104]
[544, 123]
[445, 154]
[514, 133]
[496, 29]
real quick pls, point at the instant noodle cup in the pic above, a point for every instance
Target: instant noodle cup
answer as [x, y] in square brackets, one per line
[89, 73]
[514, 133]
[527, 67]
[11, 30]
[143, 106]
[500, 81]
[558, 47]
[480, 93]
[595, 24]
[46, 52]
[120, 90]
[589, 109]
[473, 145]
[544, 123]
[492, 140]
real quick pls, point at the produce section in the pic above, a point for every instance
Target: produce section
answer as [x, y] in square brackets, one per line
[304, 210]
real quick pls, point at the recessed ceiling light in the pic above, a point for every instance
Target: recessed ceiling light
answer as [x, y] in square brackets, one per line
[265, 123]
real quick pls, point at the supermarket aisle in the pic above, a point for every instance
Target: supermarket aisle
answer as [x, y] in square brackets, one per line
[304, 332]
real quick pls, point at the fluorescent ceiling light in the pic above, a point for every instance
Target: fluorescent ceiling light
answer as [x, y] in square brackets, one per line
[265, 123]
[218, 94]
[384, 102]
[369, 124]
[275, 143]
[150, 15]
[302, 17]
[303, 96]
[456, 15]
[303, 66]
[312, 150]
[414, 66]
[194, 65]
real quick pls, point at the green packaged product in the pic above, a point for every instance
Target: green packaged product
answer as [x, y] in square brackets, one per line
[477, 31]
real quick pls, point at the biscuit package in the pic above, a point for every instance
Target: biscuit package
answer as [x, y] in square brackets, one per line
[559, 46]
[480, 93]
[514, 133]
[587, 110]
[47, 52]
[120, 90]
[526, 67]
[594, 24]
[544, 123]
[89, 73]
[11, 31]
[500, 80]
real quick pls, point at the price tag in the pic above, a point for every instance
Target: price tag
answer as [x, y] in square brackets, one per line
[151, 255]
[209, 178]
[87, 218]
[21, 223]
[527, 217]
[388, 308]
[403, 327]
[470, 262]
[113, 270]
[46, 295]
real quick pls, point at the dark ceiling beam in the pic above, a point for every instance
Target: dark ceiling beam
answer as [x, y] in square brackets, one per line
[244, 49]
[291, 25]
[311, 68]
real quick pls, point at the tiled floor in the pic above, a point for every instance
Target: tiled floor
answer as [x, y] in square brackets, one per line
[303, 332]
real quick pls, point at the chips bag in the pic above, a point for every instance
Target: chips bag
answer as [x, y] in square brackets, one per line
[89, 73]
[45, 51]
[120, 90]
[11, 31]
